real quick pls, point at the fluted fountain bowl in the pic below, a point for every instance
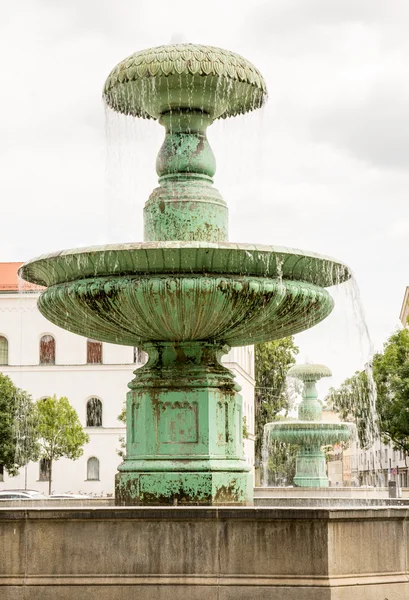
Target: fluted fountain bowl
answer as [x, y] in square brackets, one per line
[184, 291]
[311, 433]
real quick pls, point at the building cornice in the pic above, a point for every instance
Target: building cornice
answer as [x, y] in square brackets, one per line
[239, 369]
[404, 311]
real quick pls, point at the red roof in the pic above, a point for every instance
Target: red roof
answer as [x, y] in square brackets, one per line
[11, 282]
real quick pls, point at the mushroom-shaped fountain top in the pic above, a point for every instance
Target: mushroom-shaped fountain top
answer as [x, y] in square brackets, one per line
[309, 372]
[182, 77]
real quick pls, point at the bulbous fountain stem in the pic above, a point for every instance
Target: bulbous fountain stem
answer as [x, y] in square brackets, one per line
[310, 408]
[186, 206]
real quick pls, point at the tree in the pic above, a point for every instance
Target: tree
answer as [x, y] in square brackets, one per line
[272, 361]
[391, 374]
[60, 431]
[354, 400]
[18, 435]
[122, 442]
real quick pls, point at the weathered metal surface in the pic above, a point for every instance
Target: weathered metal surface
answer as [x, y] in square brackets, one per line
[186, 206]
[136, 310]
[184, 435]
[176, 257]
[185, 76]
[310, 431]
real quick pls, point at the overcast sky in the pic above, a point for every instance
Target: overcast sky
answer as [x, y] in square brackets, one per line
[323, 167]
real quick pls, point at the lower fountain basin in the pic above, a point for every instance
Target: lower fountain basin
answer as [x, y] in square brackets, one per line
[174, 291]
[311, 433]
[135, 310]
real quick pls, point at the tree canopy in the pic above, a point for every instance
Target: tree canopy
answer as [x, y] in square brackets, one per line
[18, 434]
[391, 373]
[353, 399]
[272, 361]
[60, 431]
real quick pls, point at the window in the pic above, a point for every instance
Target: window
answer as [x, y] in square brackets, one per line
[94, 412]
[1, 473]
[4, 351]
[139, 356]
[47, 350]
[44, 469]
[94, 352]
[93, 469]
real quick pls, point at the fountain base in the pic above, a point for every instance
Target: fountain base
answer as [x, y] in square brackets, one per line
[163, 488]
[311, 468]
[184, 430]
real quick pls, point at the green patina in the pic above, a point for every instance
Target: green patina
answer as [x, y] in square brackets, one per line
[185, 294]
[310, 431]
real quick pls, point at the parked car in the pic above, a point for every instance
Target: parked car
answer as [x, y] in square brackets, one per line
[69, 496]
[22, 495]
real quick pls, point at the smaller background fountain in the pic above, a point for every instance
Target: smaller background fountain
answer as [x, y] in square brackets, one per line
[309, 432]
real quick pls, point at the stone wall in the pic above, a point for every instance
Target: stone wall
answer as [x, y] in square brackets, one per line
[203, 554]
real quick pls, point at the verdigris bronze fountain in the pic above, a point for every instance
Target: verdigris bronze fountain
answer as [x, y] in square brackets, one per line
[310, 432]
[185, 294]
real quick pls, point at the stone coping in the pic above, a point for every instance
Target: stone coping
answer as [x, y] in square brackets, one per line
[139, 258]
[256, 513]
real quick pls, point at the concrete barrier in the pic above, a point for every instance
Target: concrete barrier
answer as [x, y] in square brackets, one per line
[201, 553]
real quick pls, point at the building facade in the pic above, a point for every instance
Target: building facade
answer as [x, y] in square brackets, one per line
[44, 360]
[404, 311]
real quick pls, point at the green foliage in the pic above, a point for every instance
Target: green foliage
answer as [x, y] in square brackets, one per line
[391, 377]
[391, 373]
[246, 432]
[354, 400]
[18, 436]
[122, 441]
[272, 361]
[281, 464]
[60, 431]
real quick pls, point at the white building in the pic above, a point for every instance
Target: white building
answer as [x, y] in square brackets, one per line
[44, 360]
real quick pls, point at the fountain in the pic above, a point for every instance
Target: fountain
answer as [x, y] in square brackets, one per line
[185, 294]
[310, 432]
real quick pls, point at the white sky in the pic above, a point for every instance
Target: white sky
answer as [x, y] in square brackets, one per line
[324, 167]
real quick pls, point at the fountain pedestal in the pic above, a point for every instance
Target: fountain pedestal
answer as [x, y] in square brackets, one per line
[310, 469]
[184, 430]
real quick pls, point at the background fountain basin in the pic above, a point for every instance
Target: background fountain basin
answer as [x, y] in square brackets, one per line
[311, 433]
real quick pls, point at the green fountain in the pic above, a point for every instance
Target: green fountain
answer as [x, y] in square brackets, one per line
[185, 294]
[310, 432]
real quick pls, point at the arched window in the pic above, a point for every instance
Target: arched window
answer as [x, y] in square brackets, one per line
[139, 356]
[4, 351]
[93, 469]
[94, 352]
[94, 412]
[47, 350]
[44, 469]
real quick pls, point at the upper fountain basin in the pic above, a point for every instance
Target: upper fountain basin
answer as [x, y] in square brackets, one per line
[309, 372]
[184, 77]
[178, 291]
